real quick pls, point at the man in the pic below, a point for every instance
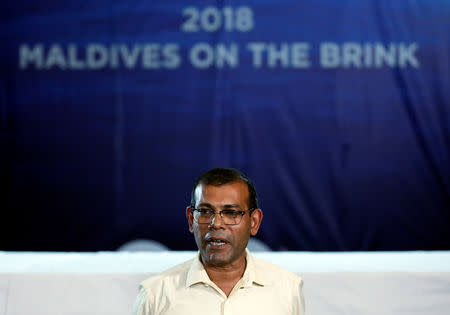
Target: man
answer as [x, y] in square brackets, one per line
[224, 278]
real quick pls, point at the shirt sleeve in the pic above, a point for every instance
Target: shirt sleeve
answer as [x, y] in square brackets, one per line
[300, 307]
[141, 304]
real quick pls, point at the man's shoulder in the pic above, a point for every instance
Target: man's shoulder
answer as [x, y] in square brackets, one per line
[274, 272]
[175, 276]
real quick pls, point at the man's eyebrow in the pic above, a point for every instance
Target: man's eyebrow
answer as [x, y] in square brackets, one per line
[228, 206]
[231, 206]
[205, 204]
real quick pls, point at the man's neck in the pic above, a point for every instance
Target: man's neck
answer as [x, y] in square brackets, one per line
[226, 277]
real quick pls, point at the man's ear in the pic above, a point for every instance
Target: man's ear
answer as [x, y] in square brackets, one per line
[255, 221]
[190, 218]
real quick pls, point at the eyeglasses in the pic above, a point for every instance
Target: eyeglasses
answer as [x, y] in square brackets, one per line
[229, 217]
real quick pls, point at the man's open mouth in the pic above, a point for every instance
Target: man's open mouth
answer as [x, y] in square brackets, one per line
[216, 242]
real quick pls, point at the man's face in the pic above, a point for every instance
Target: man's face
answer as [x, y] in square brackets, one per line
[221, 244]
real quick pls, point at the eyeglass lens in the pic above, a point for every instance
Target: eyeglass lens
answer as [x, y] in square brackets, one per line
[229, 217]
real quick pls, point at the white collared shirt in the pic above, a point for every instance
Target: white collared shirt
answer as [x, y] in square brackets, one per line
[186, 289]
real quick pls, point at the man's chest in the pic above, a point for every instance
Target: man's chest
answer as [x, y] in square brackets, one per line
[206, 300]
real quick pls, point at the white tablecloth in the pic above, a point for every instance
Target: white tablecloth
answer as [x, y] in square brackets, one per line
[335, 283]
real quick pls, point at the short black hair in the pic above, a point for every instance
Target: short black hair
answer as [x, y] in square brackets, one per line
[221, 176]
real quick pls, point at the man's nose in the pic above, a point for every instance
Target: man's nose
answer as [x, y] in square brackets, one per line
[216, 220]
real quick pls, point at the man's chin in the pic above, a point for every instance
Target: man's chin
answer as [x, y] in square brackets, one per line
[214, 260]
[218, 259]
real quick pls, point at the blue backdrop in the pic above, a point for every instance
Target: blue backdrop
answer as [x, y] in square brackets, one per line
[338, 110]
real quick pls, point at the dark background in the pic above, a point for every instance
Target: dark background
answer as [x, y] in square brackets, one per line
[343, 159]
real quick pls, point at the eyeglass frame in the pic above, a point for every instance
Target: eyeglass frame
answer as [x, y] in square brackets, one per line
[242, 212]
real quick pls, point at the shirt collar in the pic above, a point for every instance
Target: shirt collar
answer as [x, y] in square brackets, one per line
[251, 274]
[197, 273]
